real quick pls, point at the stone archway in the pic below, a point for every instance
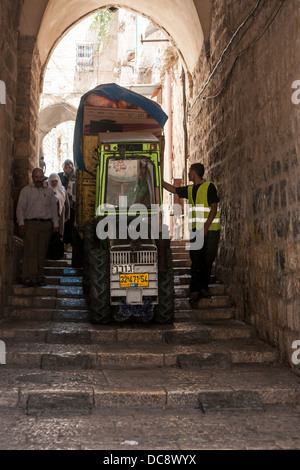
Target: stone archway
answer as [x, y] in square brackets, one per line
[187, 25]
[52, 116]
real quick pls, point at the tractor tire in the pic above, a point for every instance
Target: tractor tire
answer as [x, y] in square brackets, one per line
[164, 311]
[99, 278]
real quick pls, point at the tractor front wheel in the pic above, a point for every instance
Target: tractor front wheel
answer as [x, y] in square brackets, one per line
[99, 280]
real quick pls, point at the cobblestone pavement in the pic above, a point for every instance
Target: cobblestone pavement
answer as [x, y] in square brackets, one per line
[176, 429]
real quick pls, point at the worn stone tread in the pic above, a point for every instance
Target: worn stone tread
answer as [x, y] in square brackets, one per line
[149, 387]
[117, 355]
[82, 332]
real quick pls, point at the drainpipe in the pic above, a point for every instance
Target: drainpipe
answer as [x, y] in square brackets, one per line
[136, 43]
[168, 143]
[169, 127]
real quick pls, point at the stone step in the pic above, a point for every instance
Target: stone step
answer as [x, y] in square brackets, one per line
[64, 280]
[51, 290]
[180, 255]
[46, 314]
[182, 270]
[85, 333]
[215, 354]
[240, 387]
[63, 263]
[62, 271]
[204, 314]
[82, 315]
[72, 303]
[218, 301]
[69, 310]
[207, 314]
[49, 301]
[183, 248]
[180, 242]
[182, 286]
[56, 359]
[181, 263]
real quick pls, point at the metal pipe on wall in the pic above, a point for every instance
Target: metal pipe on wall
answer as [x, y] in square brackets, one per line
[168, 136]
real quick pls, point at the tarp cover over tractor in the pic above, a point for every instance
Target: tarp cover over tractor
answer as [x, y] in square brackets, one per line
[113, 92]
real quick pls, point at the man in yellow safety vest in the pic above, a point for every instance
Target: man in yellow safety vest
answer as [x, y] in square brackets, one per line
[204, 218]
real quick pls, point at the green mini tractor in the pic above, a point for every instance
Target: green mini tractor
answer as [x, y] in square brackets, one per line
[120, 238]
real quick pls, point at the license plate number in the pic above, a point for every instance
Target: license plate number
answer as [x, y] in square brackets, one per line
[134, 280]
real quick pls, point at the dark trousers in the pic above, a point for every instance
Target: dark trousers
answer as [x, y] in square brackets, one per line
[202, 261]
[36, 242]
[68, 229]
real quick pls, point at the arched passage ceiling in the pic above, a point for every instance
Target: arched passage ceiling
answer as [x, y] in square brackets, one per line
[53, 115]
[187, 22]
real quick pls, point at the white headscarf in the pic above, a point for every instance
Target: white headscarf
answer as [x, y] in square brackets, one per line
[59, 191]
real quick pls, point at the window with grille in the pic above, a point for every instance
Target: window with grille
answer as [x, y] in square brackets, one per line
[84, 57]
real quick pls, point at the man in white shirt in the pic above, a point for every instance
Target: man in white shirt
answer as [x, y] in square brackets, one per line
[37, 217]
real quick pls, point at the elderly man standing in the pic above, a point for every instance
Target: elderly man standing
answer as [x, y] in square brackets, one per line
[37, 217]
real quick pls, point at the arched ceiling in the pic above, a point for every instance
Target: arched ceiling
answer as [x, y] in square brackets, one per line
[54, 115]
[187, 22]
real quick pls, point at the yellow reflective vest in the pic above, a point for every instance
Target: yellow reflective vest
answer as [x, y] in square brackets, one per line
[199, 210]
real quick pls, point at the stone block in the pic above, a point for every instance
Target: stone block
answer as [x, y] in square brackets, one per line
[212, 402]
[68, 361]
[62, 402]
[188, 337]
[63, 336]
[199, 361]
[127, 397]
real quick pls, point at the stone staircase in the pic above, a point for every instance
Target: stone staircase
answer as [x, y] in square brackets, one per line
[56, 360]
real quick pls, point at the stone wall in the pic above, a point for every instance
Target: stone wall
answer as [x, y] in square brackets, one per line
[21, 72]
[26, 125]
[244, 127]
[9, 20]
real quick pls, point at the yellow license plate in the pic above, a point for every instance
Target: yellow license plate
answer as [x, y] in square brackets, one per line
[134, 280]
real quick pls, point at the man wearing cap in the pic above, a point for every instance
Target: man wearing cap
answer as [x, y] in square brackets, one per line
[37, 217]
[204, 221]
